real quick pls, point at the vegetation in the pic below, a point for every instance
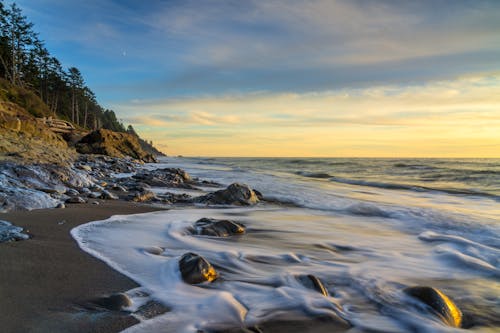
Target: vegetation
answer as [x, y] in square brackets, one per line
[27, 64]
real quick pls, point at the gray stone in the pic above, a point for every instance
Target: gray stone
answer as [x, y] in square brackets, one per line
[76, 200]
[72, 192]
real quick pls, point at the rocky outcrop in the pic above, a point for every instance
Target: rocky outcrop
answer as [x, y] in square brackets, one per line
[115, 144]
[26, 141]
[235, 194]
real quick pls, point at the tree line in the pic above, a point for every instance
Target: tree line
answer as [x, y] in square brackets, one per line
[25, 62]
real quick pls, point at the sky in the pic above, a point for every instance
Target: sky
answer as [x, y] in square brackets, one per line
[329, 78]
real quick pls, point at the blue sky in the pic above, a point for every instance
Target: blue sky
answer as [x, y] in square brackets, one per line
[182, 70]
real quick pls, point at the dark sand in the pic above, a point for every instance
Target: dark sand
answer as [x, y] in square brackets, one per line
[43, 279]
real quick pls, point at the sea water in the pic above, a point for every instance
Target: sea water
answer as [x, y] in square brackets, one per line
[367, 228]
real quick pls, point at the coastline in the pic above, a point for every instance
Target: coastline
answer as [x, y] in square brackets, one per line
[44, 278]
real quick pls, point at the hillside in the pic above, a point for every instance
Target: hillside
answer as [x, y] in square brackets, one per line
[25, 138]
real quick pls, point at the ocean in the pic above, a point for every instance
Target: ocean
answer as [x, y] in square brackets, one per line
[367, 228]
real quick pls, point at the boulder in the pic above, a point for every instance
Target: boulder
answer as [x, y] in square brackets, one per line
[440, 304]
[217, 228]
[196, 269]
[115, 144]
[234, 194]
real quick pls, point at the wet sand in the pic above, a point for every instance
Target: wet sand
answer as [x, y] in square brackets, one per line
[42, 280]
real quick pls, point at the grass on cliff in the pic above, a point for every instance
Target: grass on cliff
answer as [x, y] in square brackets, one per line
[25, 98]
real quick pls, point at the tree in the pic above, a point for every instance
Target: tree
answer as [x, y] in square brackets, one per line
[76, 82]
[20, 37]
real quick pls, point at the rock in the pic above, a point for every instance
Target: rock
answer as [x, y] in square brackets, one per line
[84, 167]
[196, 269]
[217, 228]
[312, 282]
[61, 205]
[234, 194]
[94, 195]
[176, 197]
[96, 203]
[76, 200]
[258, 194]
[167, 177]
[115, 144]
[143, 196]
[156, 250]
[118, 188]
[85, 190]
[441, 305]
[116, 302]
[9, 232]
[108, 195]
[53, 190]
[72, 192]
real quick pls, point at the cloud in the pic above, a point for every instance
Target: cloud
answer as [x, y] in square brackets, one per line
[423, 117]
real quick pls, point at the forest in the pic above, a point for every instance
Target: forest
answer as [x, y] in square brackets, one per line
[25, 62]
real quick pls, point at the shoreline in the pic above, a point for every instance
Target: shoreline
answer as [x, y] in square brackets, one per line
[43, 279]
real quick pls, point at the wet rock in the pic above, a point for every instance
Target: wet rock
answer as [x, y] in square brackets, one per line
[217, 228]
[196, 269]
[61, 205]
[116, 302]
[85, 190]
[96, 203]
[9, 232]
[312, 282]
[94, 195]
[108, 195]
[72, 192]
[234, 194]
[76, 200]
[53, 190]
[156, 250]
[167, 177]
[258, 194]
[176, 197]
[118, 188]
[440, 304]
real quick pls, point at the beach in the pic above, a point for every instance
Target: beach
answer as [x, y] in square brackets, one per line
[43, 279]
[364, 230]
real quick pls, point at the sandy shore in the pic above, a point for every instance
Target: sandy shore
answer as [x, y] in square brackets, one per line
[43, 279]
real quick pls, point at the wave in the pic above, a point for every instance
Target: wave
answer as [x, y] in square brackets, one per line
[417, 188]
[321, 175]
